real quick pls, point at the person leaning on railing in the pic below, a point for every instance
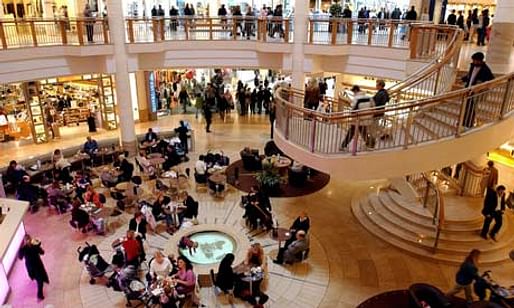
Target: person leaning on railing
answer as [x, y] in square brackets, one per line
[90, 22]
[360, 101]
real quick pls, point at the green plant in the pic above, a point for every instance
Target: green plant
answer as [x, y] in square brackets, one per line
[269, 176]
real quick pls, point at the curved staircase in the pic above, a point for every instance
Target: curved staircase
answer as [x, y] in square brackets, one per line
[403, 222]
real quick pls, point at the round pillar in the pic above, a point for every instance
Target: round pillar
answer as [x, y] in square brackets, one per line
[500, 50]
[123, 97]
[301, 21]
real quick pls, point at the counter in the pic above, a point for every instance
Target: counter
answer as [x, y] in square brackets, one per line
[12, 232]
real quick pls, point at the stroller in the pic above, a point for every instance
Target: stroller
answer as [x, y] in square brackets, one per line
[487, 289]
[125, 280]
[95, 265]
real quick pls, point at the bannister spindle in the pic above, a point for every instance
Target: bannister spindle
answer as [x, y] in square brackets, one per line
[311, 31]
[462, 112]
[370, 32]
[80, 32]
[334, 32]
[131, 30]
[105, 32]
[210, 28]
[234, 28]
[408, 125]
[288, 116]
[508, 89]
[413, 43]
[62, 27]
[392, 27]
[313, 133]
[349, 32]
[356, 133]
[286, 31]
[186, 30]
[33, 32]
[161, 28]
[2, 36]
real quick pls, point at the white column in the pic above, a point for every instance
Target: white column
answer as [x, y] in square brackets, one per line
[301, 20]
[123, 97]
[500, 50]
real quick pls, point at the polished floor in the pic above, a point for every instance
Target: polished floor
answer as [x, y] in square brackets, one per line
[349, 263]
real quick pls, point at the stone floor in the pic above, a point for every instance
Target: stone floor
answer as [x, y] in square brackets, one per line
[348, 264]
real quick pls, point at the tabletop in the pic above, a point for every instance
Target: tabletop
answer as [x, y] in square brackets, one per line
[157, 160]
[282, 162]
[154, 155]
[282, 234]
[218, 178]
[122, 186]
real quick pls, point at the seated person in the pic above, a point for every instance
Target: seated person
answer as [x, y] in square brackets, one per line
[200, 170]
[302, 222]
[29, 192]
[145, 163]
[108, 178]
[150, 137]
[254, 258]
[172, 157]
[185, 277]
[187, 243]
[63, 167]
[160, 266]
[132, 248]
[79, 217]
[82, 181]
[138, 224]
[293, 253]
[251, 159]
[91, 146]
[127, 170]
[191, 207]
[225, 277]
[258, 209]
[14, 174]
[57, 198]
[92, 196]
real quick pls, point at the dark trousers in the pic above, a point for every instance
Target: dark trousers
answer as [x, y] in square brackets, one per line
[208, 121]
[89, 31]
[469, 113]
[40, 284]
[498, 221]
[363, 130]
[183, 142]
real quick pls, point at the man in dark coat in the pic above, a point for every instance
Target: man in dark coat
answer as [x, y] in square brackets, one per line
[494, 206]
[478, 73]
[31, 251]
[182, 135]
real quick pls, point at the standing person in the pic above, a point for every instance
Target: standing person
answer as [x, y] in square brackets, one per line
[494, 207]
[50, 122]
[182, 131]
[277, 16]
[154, 11]
[469, 23]
[492, 177]
[91, 123]
[478, 72]
[222, 14]
[360, 101]
[207, 113]
[272, 116]
[312, 95]
[31, 251]
[452, 18]
[460, 21]
[468, 272]
[160, 11]
[482, 29]
[380, 98]
[174, 16]
[88, 14]
[248, 23]
[183, 97]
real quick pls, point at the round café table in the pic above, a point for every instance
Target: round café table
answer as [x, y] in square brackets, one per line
[281, 234]
[154, 155]
[218, 178]
[282, 164]
[122, 186]
[157, 162]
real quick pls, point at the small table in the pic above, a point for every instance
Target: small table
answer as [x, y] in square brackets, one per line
[218, 178]
[154, 155]
[157, 162]
[122, 186]
[282, 234]
[217, 169]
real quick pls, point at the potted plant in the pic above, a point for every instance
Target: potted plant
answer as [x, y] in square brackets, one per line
[269, 178]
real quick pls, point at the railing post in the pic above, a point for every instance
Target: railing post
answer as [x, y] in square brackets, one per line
[130, 30]
[356, 133]
[2, 36]
[106, 33]
[407, 128]
[234, 28]
[370, 32]
[438, 74]
[503, 107]
[311, 31]
[210, 29]
[186, 30]
[392, 27]
[334, 32]
[154, 30]
[80, 32]
[425, 195]
[462, 112]
[161, 28]
[264, 36]
[313, 134]
[288, 116]
[413, 42]
[349, 32]
[33, 32]
[64, 37]
[286, 31]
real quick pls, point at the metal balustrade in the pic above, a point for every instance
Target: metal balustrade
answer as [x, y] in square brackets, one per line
[396, 126]
[22, 33]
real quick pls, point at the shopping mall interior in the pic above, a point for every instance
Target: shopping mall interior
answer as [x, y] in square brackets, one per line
[257, 154]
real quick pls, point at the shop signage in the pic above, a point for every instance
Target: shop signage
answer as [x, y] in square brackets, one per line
[153, 97]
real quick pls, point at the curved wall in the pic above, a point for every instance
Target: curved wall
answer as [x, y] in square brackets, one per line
[396, 163]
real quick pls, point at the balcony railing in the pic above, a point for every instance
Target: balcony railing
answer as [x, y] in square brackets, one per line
[159, 29]
[397, 126]
[21, 33]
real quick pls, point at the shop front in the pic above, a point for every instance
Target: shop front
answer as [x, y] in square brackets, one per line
[11, 9]
[44, 109]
